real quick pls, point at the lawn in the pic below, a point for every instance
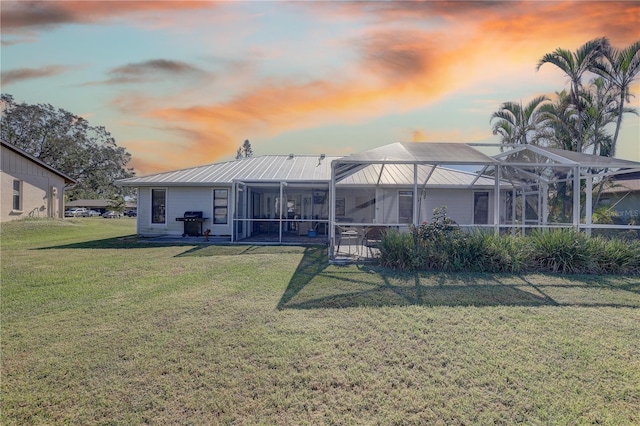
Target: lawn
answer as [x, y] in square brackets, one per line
[100, 328]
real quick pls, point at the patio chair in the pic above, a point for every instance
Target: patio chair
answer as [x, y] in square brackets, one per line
[349, 234]
[373, 237]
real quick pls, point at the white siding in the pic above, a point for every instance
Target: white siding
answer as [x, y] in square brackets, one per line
[179, 200]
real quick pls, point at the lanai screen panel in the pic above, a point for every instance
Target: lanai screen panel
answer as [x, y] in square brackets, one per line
[412, 153]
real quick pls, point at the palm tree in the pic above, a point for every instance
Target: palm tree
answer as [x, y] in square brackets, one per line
[561, 119]
[520, 125]
[574, 65]
[620, 68]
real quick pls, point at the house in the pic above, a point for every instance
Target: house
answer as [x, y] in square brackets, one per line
[30, 188]
[622, 194]
[276, 198]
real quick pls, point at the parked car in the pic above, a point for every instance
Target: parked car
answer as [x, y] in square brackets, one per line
[93, 213]
[76, 212]
[131, 213]
[111, 215]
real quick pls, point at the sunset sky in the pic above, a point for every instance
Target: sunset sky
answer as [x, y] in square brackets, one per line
[182, 84]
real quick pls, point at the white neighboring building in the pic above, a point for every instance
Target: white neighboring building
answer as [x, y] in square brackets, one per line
[30, 188]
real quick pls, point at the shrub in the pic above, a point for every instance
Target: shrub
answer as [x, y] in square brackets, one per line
[561, 250]
[396, 250]
[434, 247]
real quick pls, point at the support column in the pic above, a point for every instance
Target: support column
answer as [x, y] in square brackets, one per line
[524, 212]
[496, 202]
[280, 214]
[576, 197]
[416, 219]
[589, 203]
[514, 210]
[332, 211]
[545, 204]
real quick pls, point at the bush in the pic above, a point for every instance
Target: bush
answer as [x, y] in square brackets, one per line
[443, 246]
[396, 250]
[561, 250]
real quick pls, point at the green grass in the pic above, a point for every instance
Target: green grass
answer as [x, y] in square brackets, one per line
[98, 328]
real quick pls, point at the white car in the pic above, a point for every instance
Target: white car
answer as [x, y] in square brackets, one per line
[77, 212]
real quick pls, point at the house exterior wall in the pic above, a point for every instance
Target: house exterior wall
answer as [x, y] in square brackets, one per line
[459, 204]
[361, 205]
[178, 201]
[626, 205]
[41, 189]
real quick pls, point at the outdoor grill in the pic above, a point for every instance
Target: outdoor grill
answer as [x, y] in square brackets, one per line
[192, 223]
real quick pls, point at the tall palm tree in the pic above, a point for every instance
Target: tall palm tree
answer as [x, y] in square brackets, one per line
[600, 110]
[562, 122]
[520, 125]
[574, 65]
[620, 68]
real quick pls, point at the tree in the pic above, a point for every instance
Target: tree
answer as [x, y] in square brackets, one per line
[620, 68]
[562, 118]
[69, 144]
[117, 204]
[246, 149]
[520, 125]
[574, 65]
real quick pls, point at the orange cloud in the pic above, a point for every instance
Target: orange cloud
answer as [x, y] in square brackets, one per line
[398, 70]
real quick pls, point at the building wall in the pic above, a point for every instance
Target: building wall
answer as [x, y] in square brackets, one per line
[626, 205]
[458, 202]
[178, 201]
[41, 189]
[384, 209]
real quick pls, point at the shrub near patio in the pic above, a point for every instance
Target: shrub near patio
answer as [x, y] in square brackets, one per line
[442, 246]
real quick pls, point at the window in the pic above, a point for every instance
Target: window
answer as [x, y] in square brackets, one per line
[405, 207]
[17, 194]
[158, 205]
[481, 208]
[220, 206]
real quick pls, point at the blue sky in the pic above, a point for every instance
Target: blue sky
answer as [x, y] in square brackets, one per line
[182, 83]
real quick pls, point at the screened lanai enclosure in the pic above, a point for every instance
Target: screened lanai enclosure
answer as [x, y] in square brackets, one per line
[395, 186]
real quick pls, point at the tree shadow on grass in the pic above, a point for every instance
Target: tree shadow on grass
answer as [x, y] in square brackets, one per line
[318, 285]
[124, 242]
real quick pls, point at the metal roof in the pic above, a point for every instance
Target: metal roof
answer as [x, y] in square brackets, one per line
[385, 165]
[547, 156]
[268, 168]
[412, 153]
[402, 174]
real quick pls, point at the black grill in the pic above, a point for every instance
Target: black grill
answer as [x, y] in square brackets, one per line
[192, 223]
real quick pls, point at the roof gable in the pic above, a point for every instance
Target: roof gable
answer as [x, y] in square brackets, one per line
[36, 160]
